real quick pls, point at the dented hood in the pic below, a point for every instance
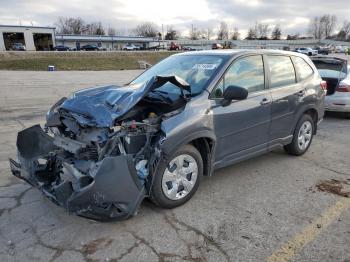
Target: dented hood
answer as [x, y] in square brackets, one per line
[101, 106]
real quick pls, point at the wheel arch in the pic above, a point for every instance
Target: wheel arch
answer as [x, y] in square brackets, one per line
[314, 115]
[310, 110]
[203, 141]
[205, 146]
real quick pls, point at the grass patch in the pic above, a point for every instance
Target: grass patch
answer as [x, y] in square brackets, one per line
[64, 61]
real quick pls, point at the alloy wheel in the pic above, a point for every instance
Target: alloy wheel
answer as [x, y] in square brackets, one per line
[305, 135]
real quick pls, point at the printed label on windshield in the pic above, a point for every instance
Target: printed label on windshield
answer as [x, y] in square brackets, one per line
[205, 66]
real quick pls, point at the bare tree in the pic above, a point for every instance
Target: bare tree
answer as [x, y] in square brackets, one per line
[314, 29]
[195, 34]
[209, 32]
[111, 31]
[146, 29]
[252, 34]
[70, 25]
[329, 22]
[323, 26]
[94, 28]
[346, 27]
[276, 33]
[263, 30]
[344, 31]
[223, 31]
[235, 34]
[293, 37]
[171, 34]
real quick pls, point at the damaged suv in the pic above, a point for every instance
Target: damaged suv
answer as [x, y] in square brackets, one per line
[104, 149]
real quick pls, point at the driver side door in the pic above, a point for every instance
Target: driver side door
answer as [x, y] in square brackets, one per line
[242, 128]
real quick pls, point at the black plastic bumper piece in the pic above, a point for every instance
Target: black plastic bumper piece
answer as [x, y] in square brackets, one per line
[112, 192]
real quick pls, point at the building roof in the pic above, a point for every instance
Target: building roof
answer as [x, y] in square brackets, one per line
[103, 38]
[28, 26]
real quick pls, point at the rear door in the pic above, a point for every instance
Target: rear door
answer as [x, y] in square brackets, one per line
[243, 126]
[286, 93]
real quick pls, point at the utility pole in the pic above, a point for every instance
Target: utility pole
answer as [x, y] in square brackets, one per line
[163, 35]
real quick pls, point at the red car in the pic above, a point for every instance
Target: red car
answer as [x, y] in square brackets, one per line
[216, 46]
[174, 47]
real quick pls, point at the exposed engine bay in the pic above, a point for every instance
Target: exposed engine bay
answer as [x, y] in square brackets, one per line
[98, 150]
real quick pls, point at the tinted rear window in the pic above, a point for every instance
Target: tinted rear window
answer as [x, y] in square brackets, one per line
[330, 68]
[281, 70]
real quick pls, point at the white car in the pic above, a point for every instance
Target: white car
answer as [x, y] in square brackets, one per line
[130, 47]
[306, 51]
[339, 49]
[336, 73]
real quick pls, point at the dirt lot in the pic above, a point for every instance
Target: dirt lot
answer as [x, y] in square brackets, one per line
[275, 207]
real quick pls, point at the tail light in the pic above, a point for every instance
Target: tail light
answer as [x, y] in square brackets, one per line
[343, 88]
[324, 85]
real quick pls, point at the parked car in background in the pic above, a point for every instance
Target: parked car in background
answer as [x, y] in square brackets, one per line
[18, 47]
[130, 47]
[104, 149]
[306, 51]
[216, 46]
[339, 49]
[188, 48]
[90, 47]
[336, 72]
[322, 50]
[174, 46]
[61, 48]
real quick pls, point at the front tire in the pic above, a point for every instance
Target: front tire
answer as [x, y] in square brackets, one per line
[302, 136]
[177, 178]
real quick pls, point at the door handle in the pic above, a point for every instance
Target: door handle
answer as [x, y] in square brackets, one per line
[265, 101]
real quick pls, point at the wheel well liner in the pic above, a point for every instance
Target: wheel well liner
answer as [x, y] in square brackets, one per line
[313, 113]
[205, 147]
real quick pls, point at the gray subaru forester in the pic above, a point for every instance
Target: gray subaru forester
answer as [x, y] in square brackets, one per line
[104, 149]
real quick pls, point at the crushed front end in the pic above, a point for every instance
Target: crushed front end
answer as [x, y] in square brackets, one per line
[98, 149]
[74, 175]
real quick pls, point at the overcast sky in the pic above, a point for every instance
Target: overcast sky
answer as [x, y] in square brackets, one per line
[292, 15]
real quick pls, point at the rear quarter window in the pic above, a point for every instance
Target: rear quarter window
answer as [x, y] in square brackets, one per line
[303, 68]
[281, 70]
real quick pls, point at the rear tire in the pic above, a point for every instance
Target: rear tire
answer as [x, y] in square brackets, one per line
[302, 136]
[177, 178]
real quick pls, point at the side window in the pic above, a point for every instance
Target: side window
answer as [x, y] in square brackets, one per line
[247, 72]
[303, 68]
[281, 70]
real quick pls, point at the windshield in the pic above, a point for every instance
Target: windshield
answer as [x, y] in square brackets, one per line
[196, 70]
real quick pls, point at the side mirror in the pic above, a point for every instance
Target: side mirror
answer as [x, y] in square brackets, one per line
[234, 93]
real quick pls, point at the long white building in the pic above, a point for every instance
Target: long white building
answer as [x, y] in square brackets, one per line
[44, 39]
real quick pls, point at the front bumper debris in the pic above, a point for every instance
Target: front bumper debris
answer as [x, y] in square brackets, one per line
[111, 191]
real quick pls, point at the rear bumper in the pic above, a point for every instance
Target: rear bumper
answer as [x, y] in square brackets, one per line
[110, 191]
[337, 103]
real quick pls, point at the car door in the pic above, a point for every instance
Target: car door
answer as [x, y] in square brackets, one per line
[286, 93]
[242, 127]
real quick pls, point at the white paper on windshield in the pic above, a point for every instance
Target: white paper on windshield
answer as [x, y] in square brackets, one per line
[205, 66]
